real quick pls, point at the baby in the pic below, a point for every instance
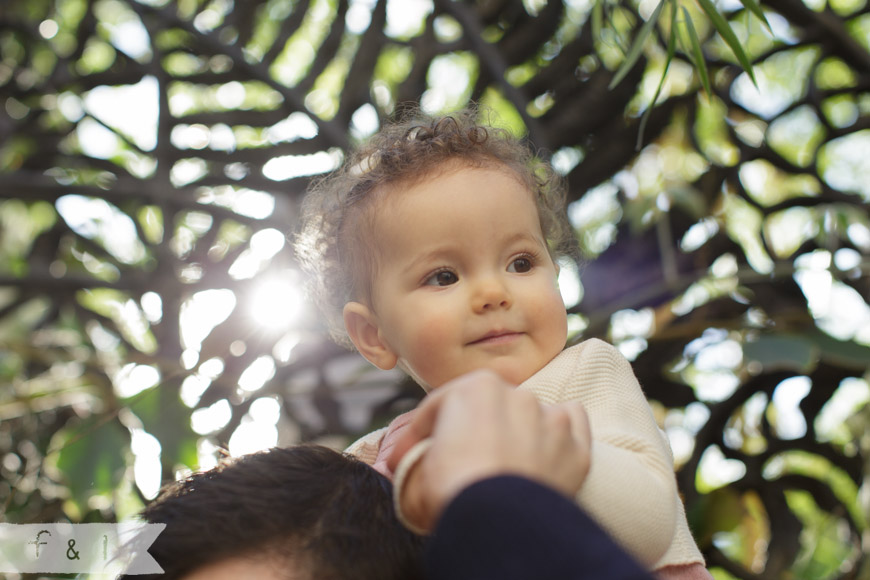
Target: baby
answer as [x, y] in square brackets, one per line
[435, 250]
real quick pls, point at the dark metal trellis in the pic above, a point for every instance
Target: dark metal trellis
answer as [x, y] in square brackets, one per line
[40, 161]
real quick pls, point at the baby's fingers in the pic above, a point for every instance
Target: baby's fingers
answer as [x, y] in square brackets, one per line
[570, 446]
[579, 422]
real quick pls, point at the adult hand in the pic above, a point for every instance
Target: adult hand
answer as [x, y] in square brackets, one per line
[481, 426]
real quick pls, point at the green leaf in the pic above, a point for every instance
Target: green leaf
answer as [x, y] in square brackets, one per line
[720, 510]
[164, 416]
[672, 41]
[151, 219]
[597, 18]
[801, 352]
[91, 457]
[782, 351]
[698, 53]
[727, 33]
[843, 353]
[637, 47]
[755, 8]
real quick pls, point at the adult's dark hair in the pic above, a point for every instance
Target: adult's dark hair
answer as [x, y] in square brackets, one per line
[315, 512]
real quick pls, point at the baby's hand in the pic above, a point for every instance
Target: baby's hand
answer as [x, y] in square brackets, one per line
[580, 428]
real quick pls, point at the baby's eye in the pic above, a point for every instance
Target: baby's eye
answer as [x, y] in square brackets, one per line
[442, 278]
[520, 265]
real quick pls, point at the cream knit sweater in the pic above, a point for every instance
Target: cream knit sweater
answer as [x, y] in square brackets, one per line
[631, 489]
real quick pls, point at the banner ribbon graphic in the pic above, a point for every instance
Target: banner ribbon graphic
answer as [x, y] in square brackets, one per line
[79, 548]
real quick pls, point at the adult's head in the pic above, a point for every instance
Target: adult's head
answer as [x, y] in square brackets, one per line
[300, 513]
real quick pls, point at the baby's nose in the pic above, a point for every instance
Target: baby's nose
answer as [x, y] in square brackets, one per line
[491, 294]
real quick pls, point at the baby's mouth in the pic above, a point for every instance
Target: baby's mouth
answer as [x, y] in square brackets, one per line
[497, 337]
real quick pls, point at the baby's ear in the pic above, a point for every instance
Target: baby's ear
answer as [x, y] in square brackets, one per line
[362, 328]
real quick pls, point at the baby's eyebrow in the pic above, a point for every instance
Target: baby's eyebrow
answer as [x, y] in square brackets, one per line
[447, 250]
[523, 237]
[440, 252]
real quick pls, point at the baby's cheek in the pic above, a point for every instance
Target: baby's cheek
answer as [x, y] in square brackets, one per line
[434, 341]
[549, 309]
[553, 320]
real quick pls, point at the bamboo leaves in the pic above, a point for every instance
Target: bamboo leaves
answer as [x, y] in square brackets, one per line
[697, 52]
[681, 27]
[727, 33]
[637, 48]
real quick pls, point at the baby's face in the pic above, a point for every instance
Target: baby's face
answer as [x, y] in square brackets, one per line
[464, 279]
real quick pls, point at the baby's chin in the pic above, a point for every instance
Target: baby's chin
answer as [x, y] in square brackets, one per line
[514, 377]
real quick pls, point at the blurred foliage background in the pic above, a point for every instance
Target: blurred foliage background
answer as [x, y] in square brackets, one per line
[153, 155]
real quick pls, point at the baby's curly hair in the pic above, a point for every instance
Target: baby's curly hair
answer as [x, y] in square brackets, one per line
[335, 243]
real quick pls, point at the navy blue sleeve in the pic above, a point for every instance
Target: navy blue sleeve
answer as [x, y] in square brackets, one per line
[507, 528]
